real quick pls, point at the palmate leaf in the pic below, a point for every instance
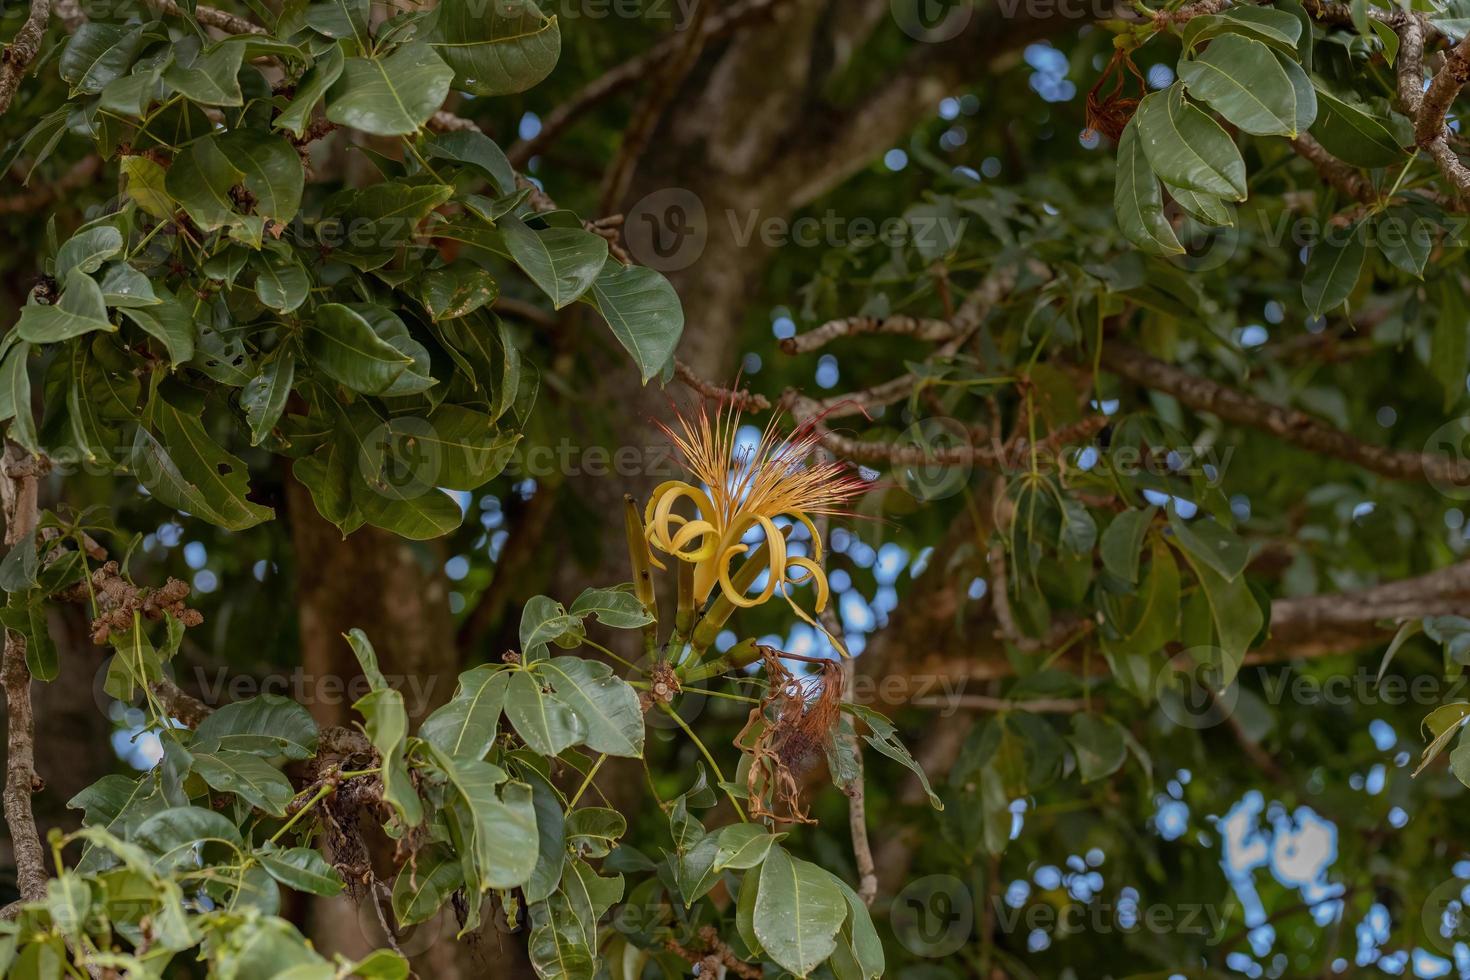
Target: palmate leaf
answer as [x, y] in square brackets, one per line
[390, 96]
[496, 48]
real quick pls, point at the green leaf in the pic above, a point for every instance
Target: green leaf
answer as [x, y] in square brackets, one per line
[97, 54]
[272, 172]
[81, 310]
[1137, 200]
[1210, 542]
[1443, 723]
[643, 312]
[187, 471]
[617, 608]
[551, 838]
[1188, 149]
[1145, 621]
[884, 738]
[1233, 609]
[594, 831]
[606, 704]
[311, 89]
[390, 96]
[543, 621]
[564, 262]
[264, 396]
[1333, 268]
[281, 284]
[558, 945]
[1098, 742]
[123, 286]
[546, 723]
[462, 446]
[249, 777]
[208, 77]
[146, 184]
[19, 567]
[341, 19]
[1242, 80]
[457, 291]
[1277, 28]
[302, 869]
[387, 729]
[69, 901]
[1123, 540]
[201, 179]
[1406, 237]
[743, 845]
[1356, 134]
[174, 834]
[87, 250]
[267, 725]
[492, 822]
[425, 884]
[1205, 208]
[345, 347]
[478, 150]
[467, 725]
[798, 912]
[860, 952]
[501, 50]
[170, 322]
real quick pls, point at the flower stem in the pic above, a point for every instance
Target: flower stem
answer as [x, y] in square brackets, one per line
[707, 758]
[587, 782]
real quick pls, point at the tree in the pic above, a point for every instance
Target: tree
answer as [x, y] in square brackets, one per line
[1131, 410]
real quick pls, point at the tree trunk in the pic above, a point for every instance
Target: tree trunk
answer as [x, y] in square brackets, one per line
[394, 591]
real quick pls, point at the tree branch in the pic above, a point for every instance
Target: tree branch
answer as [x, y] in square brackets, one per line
[22, 50]
[18, 495]
[629, 73]
[1287, 424]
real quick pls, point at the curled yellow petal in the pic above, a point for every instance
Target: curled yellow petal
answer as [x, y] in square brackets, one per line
[702, 530]
[814, 574]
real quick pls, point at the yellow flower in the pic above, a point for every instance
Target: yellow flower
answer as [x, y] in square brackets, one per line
[747, 488]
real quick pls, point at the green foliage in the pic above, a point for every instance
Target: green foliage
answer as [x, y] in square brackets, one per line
[225, 300]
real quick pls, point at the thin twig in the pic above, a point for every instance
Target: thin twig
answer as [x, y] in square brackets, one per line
[16, 59]
[18, 494]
